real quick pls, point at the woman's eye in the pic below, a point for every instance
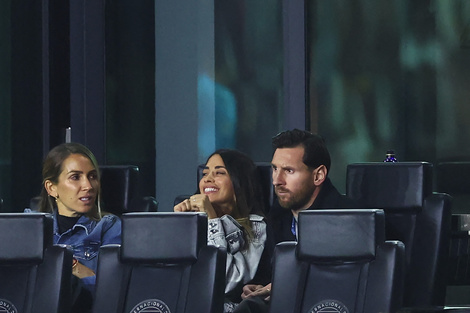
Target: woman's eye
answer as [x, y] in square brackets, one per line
[75, 177]
[220, 173]
[204, 174]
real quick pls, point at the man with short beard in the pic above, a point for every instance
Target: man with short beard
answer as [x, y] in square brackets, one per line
[300, 166]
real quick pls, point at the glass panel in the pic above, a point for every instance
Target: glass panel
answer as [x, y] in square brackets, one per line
[248, 75]
[130, 92]
[390, 75]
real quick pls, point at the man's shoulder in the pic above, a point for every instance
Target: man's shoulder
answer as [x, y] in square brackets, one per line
[331, 198]
[347, 203]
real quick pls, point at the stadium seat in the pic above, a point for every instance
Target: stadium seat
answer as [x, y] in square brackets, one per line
[162, 265]
[341, 263]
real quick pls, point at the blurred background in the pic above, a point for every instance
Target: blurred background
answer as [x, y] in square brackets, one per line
[161, 84]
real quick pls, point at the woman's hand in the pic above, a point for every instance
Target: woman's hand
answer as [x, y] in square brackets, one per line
[257, 290]
[80, 270]
[196, 203]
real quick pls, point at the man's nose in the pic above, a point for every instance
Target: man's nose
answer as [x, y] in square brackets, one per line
[277, 178]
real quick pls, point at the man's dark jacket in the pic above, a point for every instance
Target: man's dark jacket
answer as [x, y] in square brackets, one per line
[280, 224]
[280, 219]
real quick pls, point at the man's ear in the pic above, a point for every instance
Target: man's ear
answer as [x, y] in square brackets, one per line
[50, 188]
[319, 175]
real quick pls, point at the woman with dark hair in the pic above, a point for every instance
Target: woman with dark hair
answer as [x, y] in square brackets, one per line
[71, 192]
[230, 194]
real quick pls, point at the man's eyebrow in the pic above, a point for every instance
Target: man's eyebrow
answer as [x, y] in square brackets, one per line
[286, 167]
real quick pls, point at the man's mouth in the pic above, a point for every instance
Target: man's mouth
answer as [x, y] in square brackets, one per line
[281, 191]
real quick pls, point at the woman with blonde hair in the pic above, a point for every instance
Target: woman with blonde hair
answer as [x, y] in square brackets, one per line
[71, 192]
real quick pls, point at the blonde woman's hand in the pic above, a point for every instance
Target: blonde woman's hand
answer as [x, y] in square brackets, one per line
[80, 270]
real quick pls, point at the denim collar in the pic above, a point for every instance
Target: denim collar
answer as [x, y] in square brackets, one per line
[84, 222]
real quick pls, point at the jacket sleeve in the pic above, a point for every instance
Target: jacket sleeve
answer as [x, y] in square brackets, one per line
[111, 232]
[242, 264]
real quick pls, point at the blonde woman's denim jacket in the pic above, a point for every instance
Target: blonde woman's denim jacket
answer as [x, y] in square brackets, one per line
[86, 237]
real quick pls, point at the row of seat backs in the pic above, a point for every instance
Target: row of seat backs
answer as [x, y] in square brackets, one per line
[163, 264]
[341, 259]
[341, 263]
[415, 215]
[35, 274]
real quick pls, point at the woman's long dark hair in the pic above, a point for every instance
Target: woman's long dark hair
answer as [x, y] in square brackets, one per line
[246, 185]
[53, 166]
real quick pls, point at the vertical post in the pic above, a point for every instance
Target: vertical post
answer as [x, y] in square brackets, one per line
[87, 75]
[176, 98]
[295, 65]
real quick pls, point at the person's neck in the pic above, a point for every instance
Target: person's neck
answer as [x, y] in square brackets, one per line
[228, 208]
[68, 213]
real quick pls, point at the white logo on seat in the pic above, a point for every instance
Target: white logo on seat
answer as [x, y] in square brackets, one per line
[150, 306]
[7, 307]
[329, 306]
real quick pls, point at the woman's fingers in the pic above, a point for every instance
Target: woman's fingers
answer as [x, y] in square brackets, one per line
[183, 206]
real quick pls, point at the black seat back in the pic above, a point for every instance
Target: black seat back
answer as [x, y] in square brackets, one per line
[414, 215]
[341, 263]
[451, 178]
[35, 276]
[120, 190]
[163, 263]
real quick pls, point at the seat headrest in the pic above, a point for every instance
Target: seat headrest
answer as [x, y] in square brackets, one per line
[400, 185]
[451, 177]
[163, 237]
[119, 185]
[340, 235]
[25, 236]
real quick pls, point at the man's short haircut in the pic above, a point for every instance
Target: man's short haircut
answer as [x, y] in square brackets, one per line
[315, 154]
